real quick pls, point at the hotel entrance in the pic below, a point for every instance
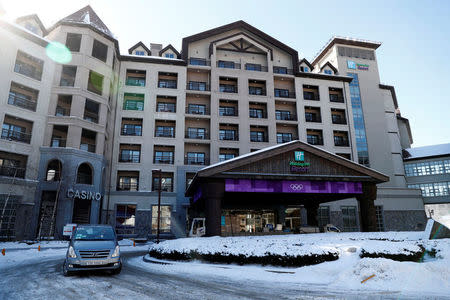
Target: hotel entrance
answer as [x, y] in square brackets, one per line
[247, 222]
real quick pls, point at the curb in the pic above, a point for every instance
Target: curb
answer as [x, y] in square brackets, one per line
[154, 260]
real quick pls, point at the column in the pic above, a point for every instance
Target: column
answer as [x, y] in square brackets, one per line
[311, 212]
[367, 212]
[214, 193]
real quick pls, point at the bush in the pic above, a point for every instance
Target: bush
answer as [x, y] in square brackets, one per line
[414, 256]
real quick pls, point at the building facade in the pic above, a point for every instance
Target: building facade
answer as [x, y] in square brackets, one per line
[82, 137]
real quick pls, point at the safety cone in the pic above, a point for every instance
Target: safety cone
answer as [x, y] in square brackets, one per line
[39, 248]
[3, 251]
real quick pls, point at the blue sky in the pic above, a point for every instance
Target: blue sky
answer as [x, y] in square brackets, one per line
[414, 56]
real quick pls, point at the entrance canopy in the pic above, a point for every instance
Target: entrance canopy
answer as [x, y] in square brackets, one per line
[293, 173]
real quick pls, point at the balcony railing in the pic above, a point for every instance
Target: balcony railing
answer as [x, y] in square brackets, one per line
[133, 158]
[58, 143]
[313, 118]
[167, 132]
[136, 131]
[198, 135]
[228, 64]
[168, 84]
[338, 119]
[197, 110]
[256, 91]
[198, 86]
[62, 111]
[311, 96]
[258, 138]
[254, 67]
[90, 116]
[285, 138]
[282, 70]
[127, 186]
[336, 98]
[194, 61]
[341, 142]
[163, 159]
[88, 147]
[22, 102]
[228, 136]
[257, 114]
[135, 81]
[227, 111]
[13, 135]
[202, 161]
[285, 116]
[12, 172]
[314, 140]
[283, 93]
[228, 88]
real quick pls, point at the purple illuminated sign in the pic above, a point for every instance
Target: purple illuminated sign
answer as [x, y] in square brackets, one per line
[292, 186]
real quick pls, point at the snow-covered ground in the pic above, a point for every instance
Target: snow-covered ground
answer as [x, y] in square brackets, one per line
[431, 277]
[19, 253]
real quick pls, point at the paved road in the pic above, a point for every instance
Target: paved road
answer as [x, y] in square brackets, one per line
[45, 281]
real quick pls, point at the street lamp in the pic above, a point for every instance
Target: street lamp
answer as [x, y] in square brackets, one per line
[158, 172]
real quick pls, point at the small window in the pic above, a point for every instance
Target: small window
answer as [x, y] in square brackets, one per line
[138, 52]
[100, 51]
[73, 42]
[68, 75]
[329, 72]
[169, 55]
[95, 83]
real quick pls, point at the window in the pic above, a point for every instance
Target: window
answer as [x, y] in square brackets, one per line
[22, 96]
[132, 127]
[197, 109]
[380, 218]
[283, 115]
[225, 64]
[84, 174]
[131, 156]
[165, 131]
[165, 107]
[196, 133]
[138, 52]
[227, 135]
[29, 65]
[95, 83]
[329, 72]
[135, 77]
[133, 101]
[164, 219]
[16, 129]
[100, 51]
[253, 67]
[166, 182]
[323, 214]
[53, 171]
[68, 75]
[304, 69]
[227, 111]
[91, 111]
[257, 136]
[125, 219]
[73, 42]
[7, 230]
[63, 105]
[128, 181]
[284, 137]
[226, 156]
[256, 113]
[163, 157]
[12, 165]
[169, 55]
[349, 218]
[195, 158]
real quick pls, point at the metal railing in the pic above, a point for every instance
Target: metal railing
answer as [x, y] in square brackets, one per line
[257, 91]
[90, 116]
[257, 114]
[135, 81]
[87, 147]
[12, 172]
[134, 158]
[228, 88]
[127, 187]
[283, 93]
[196, 161]
[285, 116]
[62, 112]
[13, 135]
[282, 70]
[198, 86]
[168, 84]
[336, 98]
[136, 131]
[285, 138]
[58, 143]
[314, 140]
[28, 70]
[341, 142]
[228, 64]
[167, 132]
[197, 110]
[228, 136]
[195, 61]
[311, 96]
[166, 107]
[198, 135]
[228, 111]
[22, 102]
[313, 118]
[258, 138]
[336, 119]
[255, 67]
[163, 159]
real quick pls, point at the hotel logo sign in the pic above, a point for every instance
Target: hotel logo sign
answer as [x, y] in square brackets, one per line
[299, 165]
[299, 156]
[363, 67]
[351, 64]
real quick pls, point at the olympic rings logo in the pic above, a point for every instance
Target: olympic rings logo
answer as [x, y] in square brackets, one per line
[296, 187]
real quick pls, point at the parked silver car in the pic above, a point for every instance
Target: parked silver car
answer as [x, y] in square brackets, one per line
[93, 247]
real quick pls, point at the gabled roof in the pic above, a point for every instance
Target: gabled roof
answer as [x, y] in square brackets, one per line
[141, 44]
[85, 16]
[171, 48]
[266, 153]
[35, 18]
[239, 25]
[328, 64]
[305, 61]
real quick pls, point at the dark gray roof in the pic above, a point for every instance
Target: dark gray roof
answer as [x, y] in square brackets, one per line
[427, 151]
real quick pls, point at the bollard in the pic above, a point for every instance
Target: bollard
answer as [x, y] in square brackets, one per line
[39, 248]
[3, 251]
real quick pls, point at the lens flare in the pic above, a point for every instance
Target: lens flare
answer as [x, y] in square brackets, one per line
[58, 53]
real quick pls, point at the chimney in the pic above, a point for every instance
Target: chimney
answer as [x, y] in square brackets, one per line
[155, 48]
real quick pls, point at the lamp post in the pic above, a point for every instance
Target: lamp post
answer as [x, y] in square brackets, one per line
[158, 172]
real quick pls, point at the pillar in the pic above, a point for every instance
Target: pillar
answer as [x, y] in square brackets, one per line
[281, 215]
[367, 212]
[214, 193]
[311, 213]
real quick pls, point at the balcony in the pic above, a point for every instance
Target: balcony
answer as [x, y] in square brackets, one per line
[314, 139]
[195, 109]
[256, 67]
[311, 92]
[197, 133]
[165, 132]
[257, 91]
[228, 111]
[130, 129]
[135, 78]
[127, 186]
[22, 101]
[228, 64]
[58, 142]
[164, 158]
[194, 61]
[285, 138]
[198, 86]
[284, 93]
[130, 157]
[338, 119]
[28, 65]
[196, 160]
[257, 113]
[336, 98]
[255, 136]
[87, 147]
[282, 70]
[313, 117]
[62, 111]
[285, 116]
[228, 135]
[12, 172]
[90, 116]
[341, 142]
[17, 136]
[167, 84]
[228, 88]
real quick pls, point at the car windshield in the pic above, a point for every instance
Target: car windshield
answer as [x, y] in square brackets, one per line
[94, 233]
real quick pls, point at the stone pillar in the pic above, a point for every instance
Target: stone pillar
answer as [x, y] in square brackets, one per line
[214, 194]
[311, 212]
[367, 212]
[281, 215]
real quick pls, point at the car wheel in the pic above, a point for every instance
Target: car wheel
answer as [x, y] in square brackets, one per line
[66, 271]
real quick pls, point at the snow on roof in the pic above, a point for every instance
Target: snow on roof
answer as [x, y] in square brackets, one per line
[428, 151]
[152, 57]
[25, 30]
